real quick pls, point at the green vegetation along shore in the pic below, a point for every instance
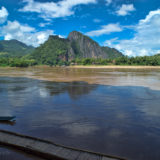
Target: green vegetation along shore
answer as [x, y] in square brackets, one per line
[131, 61]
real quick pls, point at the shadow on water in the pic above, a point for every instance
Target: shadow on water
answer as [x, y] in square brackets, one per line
[8, 153]
[117, 120]
[11, 123]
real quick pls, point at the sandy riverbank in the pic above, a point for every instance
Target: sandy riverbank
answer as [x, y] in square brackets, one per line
[88, 66]
[115, 66]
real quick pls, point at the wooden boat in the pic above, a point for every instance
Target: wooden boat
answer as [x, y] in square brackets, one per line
[7, 118]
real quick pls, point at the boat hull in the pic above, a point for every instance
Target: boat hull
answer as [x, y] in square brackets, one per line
[7, 118]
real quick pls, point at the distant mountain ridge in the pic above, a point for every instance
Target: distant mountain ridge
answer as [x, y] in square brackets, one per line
[76, 45]
[14, 48]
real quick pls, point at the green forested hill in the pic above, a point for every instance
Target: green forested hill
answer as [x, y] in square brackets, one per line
[53, 51]
[58, 50]
[14, 48]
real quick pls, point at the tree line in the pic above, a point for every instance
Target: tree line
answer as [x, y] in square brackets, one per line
[27, 61]
[145, 60]
[124, 60]
[16, 62]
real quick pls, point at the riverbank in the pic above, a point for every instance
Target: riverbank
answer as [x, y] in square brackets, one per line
[114, 67]
[90, 66]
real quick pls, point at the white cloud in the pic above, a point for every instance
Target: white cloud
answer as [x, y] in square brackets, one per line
[3, 15]
[61, 36]
[80, 129]
[24, 33]
[108, 2]
[110, 42]
[44, 24]
[106, 29]
[48, 10]
[96, 20]
[15, 25]
[146, 40]
[125, 9]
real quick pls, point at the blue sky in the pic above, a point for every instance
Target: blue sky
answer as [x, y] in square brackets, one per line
[131, 26]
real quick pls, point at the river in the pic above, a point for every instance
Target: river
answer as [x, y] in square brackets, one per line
[112, 111]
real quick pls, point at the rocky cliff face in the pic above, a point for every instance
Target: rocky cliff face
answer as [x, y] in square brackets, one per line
[112, 52]
[84, 47]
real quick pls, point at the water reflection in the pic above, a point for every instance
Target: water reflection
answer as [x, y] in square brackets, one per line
[74, 89]
[122, 120]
